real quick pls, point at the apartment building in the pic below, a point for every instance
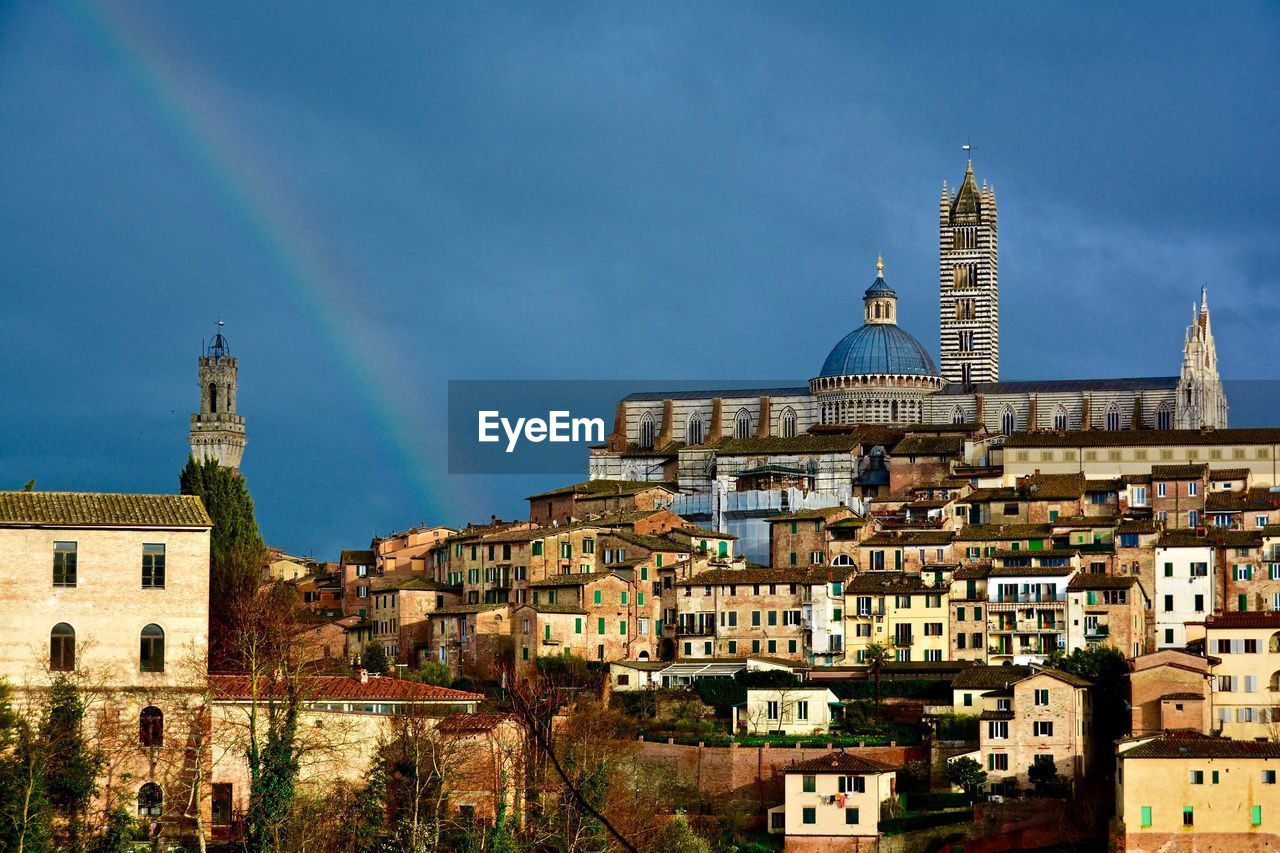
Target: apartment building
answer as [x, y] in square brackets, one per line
[1171, 689]
[1051, 714]
[1191, 791]
[833, 802]
[1246, 674]
[1026, 605]
[1179, 494]
[968, 611]
[899, 611]
[1184, 588]
[905, 550]
[1107, 610]
[802, 538]
[400, 610]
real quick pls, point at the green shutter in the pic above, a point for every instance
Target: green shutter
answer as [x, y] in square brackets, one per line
[1255, 815]
[1244, 602]
[1146, 816]
[639, 599]
[897, 560]
[622, 597]
[622, 627]
[546, 632]
[659, 561]
[793, 527]
[577, 625]
[596, 596]
[600, 625]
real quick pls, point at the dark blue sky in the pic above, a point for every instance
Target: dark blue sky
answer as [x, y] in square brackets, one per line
[380, 200]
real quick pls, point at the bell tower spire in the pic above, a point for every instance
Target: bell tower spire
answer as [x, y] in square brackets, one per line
[217, 432]
[1201, 402]
[969, 297]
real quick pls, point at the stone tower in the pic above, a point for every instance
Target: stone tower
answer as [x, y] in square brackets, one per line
[1201, 401]
[217, 432]
[969, 305]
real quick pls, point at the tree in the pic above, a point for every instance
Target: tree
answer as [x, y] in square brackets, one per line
[226, 497]
[71, 764]
[967, 774]
[435, 673]
[24, 805]
[875, 656]
[236, 553]
[375, 658]
[1043, 773]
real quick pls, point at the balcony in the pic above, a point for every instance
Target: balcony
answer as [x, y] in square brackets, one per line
[697, 630]
[1097, 632]
[903, 641]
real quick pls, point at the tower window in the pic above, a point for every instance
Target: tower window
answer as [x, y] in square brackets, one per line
[213, 397]
[957, 415]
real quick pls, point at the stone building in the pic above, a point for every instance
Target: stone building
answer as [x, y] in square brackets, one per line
[217, 432]
[969, 293]
[1051, 714]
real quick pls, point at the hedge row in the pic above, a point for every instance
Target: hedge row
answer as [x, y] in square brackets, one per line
[911, 823]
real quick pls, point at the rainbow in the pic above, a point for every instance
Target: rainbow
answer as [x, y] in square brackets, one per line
[310, 277]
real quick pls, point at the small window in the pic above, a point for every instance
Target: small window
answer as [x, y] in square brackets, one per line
[851, 816]
[153, 566]
[151, 726]
[809, 815]
[62, 648]
[64, 564]
[1188, 816]
[150, 800]
[1146, 816]
[151, 656]
[808, 784]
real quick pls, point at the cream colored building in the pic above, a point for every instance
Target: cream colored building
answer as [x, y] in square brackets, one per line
[1246, 678]
[1189, 791]
[116, 583]
[1051, 714]
[899, 611]
[833, 802]
[790, 710]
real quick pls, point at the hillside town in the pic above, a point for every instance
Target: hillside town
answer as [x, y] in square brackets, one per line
[902, 608]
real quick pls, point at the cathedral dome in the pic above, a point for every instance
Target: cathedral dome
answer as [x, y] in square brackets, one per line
[879, 348]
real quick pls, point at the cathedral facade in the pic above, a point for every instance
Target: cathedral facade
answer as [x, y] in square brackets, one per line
[880, 375]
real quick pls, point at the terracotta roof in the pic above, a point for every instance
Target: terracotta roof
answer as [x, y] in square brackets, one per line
[1054, 487]
[1250, 619]
[1196, 745]
[989, 677]
[602, 488]
[545, 607]
[467, 609]
[799, 444]
[741, 577]
[462, 724]
[1008, 553]
[1083, 581]
[1073, 680]
[809, 514]
[972, 572]
[577, 579]
[996, 715]
[651, 543]
[839, 762]
[417, 583]
[357, 558]
[1189, 471]
[1029, 571]
[1138, 526]
[1184, 539]
[88, 509]
[890, 583]
[1182, 697]
[1229, 474]
[910, 538]
[929, 445]
[1010, 532]
[1144, 438]
[1258, 498]
[317, 687]
[695, 531]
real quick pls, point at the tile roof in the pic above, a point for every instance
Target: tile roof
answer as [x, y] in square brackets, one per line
[460, 724]
[730, 394]
[1073, 680]
[1229, 474]
[1249, 619]
[1189, 471]
[1182, 697]
[1029, 572]
[602, 488]
[989, 677]
[1261, 499]
[88, 509]
[805, 443]
[996, 715]
[808, 514]
[910, 538]
[558, 607]
[972, 572]
[1135, 525]
[694, 531]
[747, 577]
[357, 558]
[1013, 554]
[1196, 745]
[1054, 487]
[317, 687]
[839, 762]
[1145, 438]
[575, 579]
[1084, 581]
[929, 445]
[890, 583]
[467, 609]
[1184, 538]
[650, 542]
[418, 583]
[1009, 532]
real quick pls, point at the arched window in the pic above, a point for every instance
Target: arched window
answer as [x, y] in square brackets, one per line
[1008, 421]
[647, 430]
[1164, 416]
[644, 655]
[1060, 418]
[151, 726]
[842, 560]
[62, 648]
[742, 424]
[151, 657]
[213, 397]
[1113, 417]
[693, 433]
[788, 423]
[150, 800]
[957, 415]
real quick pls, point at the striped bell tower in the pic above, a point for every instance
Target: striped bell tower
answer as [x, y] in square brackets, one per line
[969, 303]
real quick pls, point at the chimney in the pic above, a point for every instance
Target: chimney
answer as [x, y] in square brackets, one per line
[362, 675]
[765, 428]
[617, 440]
[717, 421]
[666, 433]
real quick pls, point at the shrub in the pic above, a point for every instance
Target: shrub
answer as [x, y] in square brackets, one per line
[958, 727]
[910, 823]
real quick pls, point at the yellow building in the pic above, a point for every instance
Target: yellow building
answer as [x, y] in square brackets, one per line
[833, 802]
[1246, 676]
[898, 611]
[1188, 791]
[789, 710]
